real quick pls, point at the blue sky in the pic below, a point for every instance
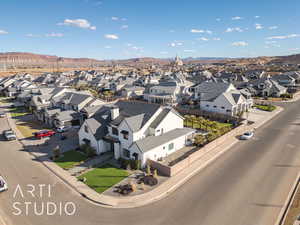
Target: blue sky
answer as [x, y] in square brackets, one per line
[118, 29]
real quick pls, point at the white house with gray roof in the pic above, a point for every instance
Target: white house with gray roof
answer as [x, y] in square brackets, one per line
[222, 98]
[135, 130]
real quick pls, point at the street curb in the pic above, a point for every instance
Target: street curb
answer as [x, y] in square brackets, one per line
[286, 206]
[134, 204]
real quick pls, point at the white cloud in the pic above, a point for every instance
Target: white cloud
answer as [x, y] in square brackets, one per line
[201, 31]
[237, 29]
[124, 19]
[176, 44]
[111, 36]
[239, 43]
[283, 37]
[218, 19]
[114, 18]
[124, 27]
[203, 39]
[171, 31]
[81, 23]
[189, 50]
[107, 47]
[216, 39]
[197, 31]
[54, 35]
[256, 17]
[271, 44]
[3, 32]
[273, 27]
[294, 49]
[135, 48]
[258, 26]
[236, 18]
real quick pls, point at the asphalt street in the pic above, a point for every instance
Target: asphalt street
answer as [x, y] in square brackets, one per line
[245, 186]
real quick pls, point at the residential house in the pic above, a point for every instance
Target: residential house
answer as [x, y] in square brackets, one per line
[135, 130]
[222, 98]
[129, 91]
[265, 87]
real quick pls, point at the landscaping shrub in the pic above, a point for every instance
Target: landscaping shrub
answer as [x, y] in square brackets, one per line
[211, 136]
[56, 152]
[130, 164]
[286, 95]
[88, 150]
[268, 108]
[200, 140]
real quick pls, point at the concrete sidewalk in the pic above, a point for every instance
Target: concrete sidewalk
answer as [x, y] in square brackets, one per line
[161, 191]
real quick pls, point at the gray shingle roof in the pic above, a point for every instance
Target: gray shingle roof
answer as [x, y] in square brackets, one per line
[151, 142]
[160, 117]
[98, 124]
[130, 109]
[211, 90]
[67, 115]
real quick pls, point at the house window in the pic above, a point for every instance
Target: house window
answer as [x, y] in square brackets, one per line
[207, 106]
[228, 110]
[86, 129]
[115, 131]
[125, 134]
[215, 106]
[171, 146]
[126, 153]
[86, 141]
[223, 107]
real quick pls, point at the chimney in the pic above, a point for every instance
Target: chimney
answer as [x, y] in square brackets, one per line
[114, 112]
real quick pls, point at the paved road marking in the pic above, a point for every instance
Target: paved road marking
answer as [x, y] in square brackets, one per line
[2, 222]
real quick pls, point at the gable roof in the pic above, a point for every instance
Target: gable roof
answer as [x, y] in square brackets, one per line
[211, 90]
[151, 142]
[98, 124]
[132, 109]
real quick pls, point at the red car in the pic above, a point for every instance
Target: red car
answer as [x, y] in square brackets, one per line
[44, 133]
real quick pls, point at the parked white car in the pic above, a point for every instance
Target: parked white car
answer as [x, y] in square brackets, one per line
[63, 129]
[3, 184]
[246, 136]
[9, 135]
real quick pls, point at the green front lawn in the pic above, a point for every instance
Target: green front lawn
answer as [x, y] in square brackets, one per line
[18, 111]
[268, 108]
[71, 159]
[103, 178]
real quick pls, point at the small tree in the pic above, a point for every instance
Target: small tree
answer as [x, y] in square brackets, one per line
[199, 140]
[56, 152]
[128, 167]
[89, 151]
[211, 136]
[133, 186]
[148, 170]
